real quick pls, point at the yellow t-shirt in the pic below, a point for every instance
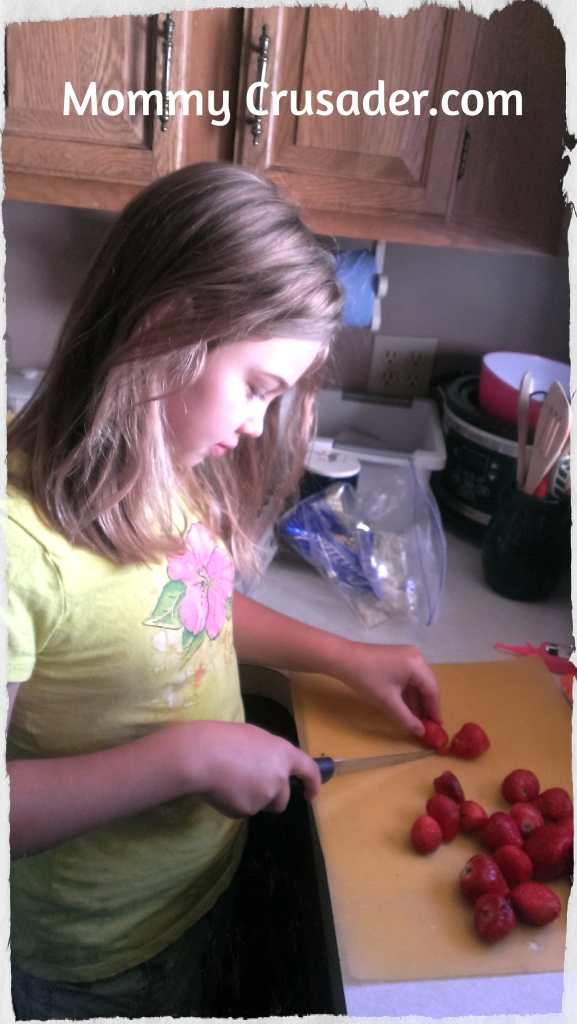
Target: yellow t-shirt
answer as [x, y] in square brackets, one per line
[105, 654]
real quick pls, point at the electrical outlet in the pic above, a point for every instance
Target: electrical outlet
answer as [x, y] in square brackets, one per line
[401, 367]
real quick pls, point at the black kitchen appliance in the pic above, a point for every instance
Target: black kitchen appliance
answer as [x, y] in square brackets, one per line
[481, 458]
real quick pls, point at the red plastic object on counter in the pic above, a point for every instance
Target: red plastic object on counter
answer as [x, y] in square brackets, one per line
[500, 379]
[561, 666]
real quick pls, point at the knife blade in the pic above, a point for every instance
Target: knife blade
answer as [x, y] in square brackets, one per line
[330, 767]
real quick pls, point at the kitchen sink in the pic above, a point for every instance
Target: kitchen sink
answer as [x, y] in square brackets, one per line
[279, 957]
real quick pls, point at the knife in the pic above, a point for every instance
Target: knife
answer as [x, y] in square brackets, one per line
[330, 767]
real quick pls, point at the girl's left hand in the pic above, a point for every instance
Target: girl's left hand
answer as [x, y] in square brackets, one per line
[395, 678]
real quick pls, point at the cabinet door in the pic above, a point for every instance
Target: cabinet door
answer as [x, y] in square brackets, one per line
[510, 185]
[102, 160]
[71, 154]
[360, 165]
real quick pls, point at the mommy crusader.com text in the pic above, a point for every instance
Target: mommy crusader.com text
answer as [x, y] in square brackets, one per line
[347, 103]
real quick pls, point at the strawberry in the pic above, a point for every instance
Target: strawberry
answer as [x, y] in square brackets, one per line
[535, 903]
[520, 786]
[566, 823]
[472, 817]
[554, 803]
[470, 742]
[481, 875]
[514, 863]
[500, 830]
[494, 917]
[446, 812]
[426, 835]
[434, 734]
[549, 849]
[526, 817]
[449, 784]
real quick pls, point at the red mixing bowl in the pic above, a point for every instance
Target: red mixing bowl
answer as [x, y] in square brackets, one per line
[500, 380]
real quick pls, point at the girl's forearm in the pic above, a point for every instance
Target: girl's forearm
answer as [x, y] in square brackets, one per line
[265, 637]
[236, 768]
[394, 678]
[54, 800]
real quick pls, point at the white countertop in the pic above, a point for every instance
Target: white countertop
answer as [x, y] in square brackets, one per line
[472, 619]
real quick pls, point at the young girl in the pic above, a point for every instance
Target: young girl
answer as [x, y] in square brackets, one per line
[136, 476]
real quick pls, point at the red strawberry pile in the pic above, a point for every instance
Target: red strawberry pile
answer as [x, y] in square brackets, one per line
[528, 846]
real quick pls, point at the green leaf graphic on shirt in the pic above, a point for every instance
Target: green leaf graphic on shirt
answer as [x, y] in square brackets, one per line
[166, 611]
[192, 640]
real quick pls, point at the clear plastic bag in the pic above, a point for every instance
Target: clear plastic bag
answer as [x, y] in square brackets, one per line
[384, 551]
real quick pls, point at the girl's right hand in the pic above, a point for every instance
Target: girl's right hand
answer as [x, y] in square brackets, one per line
[241, 769]
[236, 768]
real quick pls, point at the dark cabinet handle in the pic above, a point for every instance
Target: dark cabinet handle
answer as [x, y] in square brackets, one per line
[167, 34]
[262, 48]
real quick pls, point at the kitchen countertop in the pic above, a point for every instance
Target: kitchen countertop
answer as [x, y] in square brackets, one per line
[472, 619]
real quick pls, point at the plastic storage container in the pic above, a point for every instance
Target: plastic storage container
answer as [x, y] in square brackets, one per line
[383, 433]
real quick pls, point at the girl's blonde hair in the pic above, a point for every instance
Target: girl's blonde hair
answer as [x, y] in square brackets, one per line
[205, 256]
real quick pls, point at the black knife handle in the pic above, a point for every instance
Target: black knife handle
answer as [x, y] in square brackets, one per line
[327, 770]
[327, 767]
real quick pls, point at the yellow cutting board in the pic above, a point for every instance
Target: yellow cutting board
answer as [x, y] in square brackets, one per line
[399, 916]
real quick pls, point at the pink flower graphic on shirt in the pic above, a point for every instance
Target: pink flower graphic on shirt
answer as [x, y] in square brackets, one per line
[208, 575]
[195, 600]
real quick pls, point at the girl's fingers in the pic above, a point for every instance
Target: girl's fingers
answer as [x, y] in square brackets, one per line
[428, 688]
[415, 701]
[279, 804]
[433, 708]
[404, 714]
[307, 770]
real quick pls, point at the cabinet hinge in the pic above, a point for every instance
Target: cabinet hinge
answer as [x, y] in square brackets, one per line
[464, 154]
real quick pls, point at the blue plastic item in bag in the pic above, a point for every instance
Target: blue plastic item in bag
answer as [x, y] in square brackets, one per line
[385, 551]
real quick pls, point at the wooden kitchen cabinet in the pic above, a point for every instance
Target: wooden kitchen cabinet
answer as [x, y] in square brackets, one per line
[360, 165]
[472, 181]
[511, 189]
[454, 180]
[99, 160]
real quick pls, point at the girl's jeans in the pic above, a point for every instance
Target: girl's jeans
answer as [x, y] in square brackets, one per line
[168, 985]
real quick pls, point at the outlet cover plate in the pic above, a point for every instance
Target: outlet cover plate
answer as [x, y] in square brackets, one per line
[401, 367]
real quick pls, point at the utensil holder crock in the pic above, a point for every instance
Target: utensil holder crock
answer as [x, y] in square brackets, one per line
[526, 545]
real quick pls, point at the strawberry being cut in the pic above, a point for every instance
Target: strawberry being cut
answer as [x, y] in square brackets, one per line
[554, 803]
[549, 849]
[426, 835]
[526, 817]
[434, 735]
[472, 817]
[500, 830]
[446, 812]
[481, 875]
[470, 742]
[566, 823]
[494, 917]
[520, 786]
[449, 784]
[535, 903]
[514, 863]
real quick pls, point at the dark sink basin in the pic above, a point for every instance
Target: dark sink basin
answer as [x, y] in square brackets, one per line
[280, 957]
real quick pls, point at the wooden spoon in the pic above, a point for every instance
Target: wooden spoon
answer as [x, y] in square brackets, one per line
[552, 431]
[523, 428]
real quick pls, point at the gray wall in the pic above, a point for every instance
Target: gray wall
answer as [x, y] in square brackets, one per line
[473, 302]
